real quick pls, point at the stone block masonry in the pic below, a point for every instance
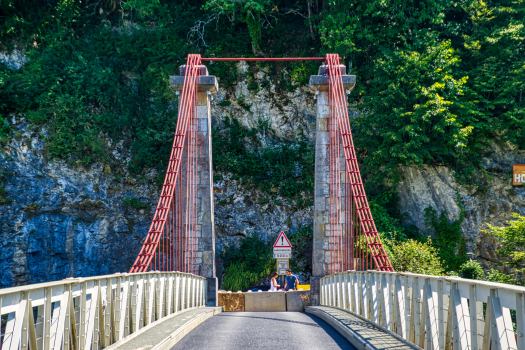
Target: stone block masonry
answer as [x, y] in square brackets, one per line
[321, 255]
[205, 228]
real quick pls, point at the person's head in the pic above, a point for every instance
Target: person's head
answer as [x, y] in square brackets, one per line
[274, 274]
[289, 272]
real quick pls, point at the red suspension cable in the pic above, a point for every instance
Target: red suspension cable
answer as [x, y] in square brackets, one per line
[237, 59]
[368, 243]
[152, 255]
[172, 242]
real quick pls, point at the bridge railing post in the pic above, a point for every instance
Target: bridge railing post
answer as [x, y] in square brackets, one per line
[433, 312]
[330, 289]
[367, 297]
[356, 298]
[177, 306]
[323, 292]
[194, 294]
[415, 308]
[344, 290]
[95, 312]
[188, 291]
[441, 312]
[374, 289]
[473, 305]
[520, 320]
[399, 300]
[339, 290]
[384, 302]
[363, 296]
[348, 290]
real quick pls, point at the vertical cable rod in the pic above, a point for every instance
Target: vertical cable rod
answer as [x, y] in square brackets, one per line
[369, 243]
[149, 255]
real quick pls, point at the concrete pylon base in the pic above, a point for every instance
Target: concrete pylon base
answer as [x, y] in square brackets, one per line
[212, 297]
[323, 262]
[315, 291]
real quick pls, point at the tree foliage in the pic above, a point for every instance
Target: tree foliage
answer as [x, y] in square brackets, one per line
[261, 161]
[472, 270]
[246, 264]
[437, 80]
[512, 242]
[416, 257]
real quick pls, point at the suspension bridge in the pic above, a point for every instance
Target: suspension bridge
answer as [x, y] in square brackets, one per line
[172, 286]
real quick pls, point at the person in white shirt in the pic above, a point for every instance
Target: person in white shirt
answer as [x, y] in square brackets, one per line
[274, 287]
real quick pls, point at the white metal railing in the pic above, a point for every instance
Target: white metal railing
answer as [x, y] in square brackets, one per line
[95, 312]
[433, 312]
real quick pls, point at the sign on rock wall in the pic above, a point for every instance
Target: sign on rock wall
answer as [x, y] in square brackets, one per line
[518, 174]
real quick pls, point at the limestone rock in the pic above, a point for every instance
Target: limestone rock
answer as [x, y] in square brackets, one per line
[436, 187]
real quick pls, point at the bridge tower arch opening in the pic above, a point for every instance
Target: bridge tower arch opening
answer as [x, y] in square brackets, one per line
[182, 235]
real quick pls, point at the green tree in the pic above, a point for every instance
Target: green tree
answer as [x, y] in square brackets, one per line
[251, 12]
[512, 242]
[494, 54]
[246, 264]
[499, 277]
[472, 270]
[416, 257]
[437, 80]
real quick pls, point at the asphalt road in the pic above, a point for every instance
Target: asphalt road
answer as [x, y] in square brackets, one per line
[263, 330]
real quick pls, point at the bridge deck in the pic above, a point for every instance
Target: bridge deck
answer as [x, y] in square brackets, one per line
[263, 330]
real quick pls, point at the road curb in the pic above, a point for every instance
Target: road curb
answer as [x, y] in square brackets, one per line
[143, 330]
[170, 341]
[358, 341]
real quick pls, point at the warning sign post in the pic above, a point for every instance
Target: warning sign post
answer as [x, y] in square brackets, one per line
[282, 249]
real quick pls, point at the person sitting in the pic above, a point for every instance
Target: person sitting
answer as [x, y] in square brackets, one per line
[274, 287]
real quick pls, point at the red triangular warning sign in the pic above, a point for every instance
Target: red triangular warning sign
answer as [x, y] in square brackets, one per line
[282, 241]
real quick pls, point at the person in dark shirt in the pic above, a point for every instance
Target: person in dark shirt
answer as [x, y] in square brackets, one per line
[291, 282]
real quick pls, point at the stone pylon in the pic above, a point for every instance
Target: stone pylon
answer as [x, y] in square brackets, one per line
[205, 228]
[321, 255]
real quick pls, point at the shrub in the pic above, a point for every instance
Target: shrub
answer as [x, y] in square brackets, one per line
[416, 257]
[512, 241]
[499, 277]
[448, 240]
[239, 277]
[472, 270]
[302, 243]
[135, 203]
[247, 264]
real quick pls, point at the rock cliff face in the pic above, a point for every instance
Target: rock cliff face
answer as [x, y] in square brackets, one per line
[61, 220]
[436, 187]
[237, 211]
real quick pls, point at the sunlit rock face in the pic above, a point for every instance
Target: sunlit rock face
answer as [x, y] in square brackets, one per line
[69, 220]
[436, 187]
